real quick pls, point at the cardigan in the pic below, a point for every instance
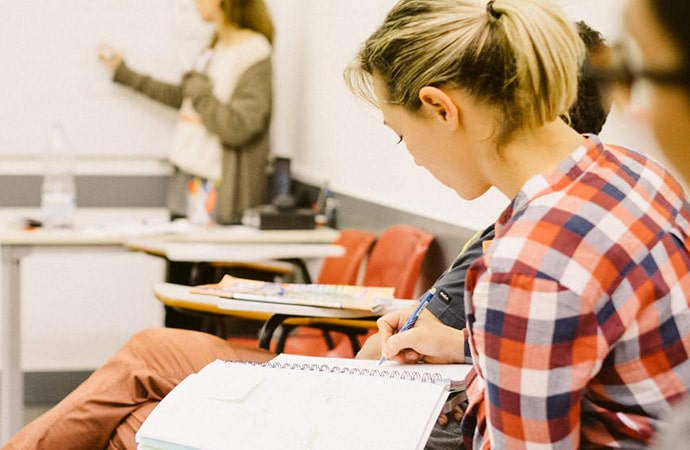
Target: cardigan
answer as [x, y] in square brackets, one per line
[242, 124]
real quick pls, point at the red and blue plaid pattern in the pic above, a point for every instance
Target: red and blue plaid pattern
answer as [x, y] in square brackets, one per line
[578, 315]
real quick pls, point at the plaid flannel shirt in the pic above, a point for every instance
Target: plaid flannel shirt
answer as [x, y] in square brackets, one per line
[578, 315]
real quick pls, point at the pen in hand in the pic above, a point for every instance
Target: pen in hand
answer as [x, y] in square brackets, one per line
[409, 323]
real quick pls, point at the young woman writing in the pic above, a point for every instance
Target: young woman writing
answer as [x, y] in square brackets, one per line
[577, 313]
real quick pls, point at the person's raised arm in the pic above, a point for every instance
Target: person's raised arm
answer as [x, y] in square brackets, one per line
[164, 92]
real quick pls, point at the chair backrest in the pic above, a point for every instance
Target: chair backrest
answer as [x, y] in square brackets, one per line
[396, 259]
[345, 269]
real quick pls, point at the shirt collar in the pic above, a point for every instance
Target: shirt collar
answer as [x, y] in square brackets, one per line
[571, 168]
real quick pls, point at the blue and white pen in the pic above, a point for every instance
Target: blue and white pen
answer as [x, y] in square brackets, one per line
[409, 323]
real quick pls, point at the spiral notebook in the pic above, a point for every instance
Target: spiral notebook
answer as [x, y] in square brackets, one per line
[298, 402]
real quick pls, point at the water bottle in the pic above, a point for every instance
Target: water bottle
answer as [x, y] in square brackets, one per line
[58, 192]
[325, 207]
[330, 210]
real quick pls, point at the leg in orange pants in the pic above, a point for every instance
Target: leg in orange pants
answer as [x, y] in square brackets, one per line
[107, 409]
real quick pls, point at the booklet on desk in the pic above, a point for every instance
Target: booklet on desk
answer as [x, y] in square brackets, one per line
[361, 298]
[297, 402]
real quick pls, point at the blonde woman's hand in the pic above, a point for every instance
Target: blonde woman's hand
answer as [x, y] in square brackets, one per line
[371, 349]
[110, 56]
[429, 339]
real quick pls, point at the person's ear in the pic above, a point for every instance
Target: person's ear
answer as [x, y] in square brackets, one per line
[440, 106]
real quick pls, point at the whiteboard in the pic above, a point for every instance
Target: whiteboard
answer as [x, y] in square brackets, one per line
[51, 73]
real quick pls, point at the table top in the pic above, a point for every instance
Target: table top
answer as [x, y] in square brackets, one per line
[220, 253]
[221, 244]
[178, 295]
[112, 226]
[93, 226]
[240, 234]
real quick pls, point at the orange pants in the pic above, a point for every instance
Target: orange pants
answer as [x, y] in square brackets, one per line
[107, 409]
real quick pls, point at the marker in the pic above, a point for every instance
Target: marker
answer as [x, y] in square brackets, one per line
[107, 53]
[202, 62]
[409, 323]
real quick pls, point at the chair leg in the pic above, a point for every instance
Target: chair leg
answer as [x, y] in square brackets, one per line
[283, 334]
[354, 341]
[213, 324]
[329, 340]
[269, 327]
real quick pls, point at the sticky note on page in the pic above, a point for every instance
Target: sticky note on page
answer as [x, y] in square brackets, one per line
[220, 385]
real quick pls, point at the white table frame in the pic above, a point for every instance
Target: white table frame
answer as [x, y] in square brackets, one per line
[12, 392]
[237, 244]
[198, 244]
[15, 245]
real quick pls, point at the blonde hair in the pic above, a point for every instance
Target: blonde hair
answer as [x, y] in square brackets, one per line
[523, 56]
[251, 14]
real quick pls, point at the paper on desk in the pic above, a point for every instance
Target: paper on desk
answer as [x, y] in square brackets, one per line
[361, 298]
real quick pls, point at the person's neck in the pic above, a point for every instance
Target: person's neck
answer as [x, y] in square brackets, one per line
[231, 34]
[539, 151]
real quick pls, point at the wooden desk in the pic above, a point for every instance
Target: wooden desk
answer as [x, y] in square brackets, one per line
[96, 229]
[273, 314]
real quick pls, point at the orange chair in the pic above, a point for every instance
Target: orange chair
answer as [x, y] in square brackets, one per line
[343, 269]
[395, 261]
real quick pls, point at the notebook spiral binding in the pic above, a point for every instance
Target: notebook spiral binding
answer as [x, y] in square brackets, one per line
[411, 375]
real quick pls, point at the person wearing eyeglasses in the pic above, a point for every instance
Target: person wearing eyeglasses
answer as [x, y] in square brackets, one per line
[661, 33]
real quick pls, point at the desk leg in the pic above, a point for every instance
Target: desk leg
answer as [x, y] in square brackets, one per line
[302, 266]
[12, 381]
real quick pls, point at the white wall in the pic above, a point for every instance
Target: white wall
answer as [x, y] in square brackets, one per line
[331, 136]
[55, 75]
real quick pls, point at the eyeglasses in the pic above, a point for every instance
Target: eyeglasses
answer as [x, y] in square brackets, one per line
[614, 66]
[623, 80]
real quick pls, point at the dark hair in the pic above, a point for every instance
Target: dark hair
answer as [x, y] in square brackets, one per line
[591, 108]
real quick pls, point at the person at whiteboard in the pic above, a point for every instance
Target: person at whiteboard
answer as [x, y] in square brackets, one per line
[220, 149]
[578, 311]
